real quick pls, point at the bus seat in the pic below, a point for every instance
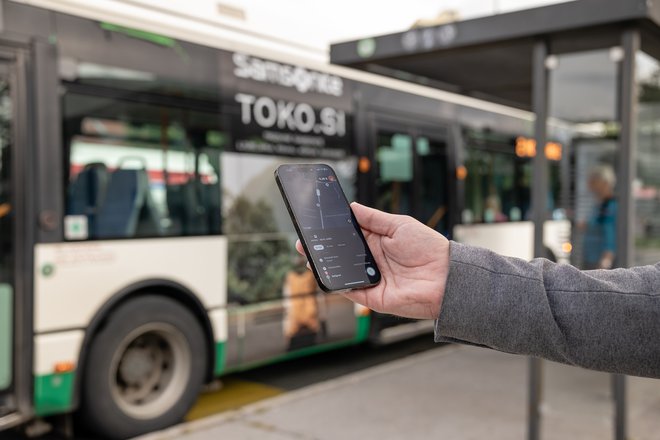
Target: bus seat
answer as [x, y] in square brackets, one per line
[195, 210]
[186, 209]
[150, 222]
[125, 196]
[212, 197]
[87, 192]
[174, 195]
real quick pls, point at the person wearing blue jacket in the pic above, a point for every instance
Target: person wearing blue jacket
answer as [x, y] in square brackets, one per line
[600, 230]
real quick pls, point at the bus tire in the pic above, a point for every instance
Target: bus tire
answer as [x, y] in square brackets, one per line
[145, 368]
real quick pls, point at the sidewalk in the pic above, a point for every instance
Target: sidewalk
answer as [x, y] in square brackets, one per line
[451, 392]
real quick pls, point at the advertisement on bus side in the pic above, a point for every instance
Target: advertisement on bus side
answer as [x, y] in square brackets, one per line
[285, 110]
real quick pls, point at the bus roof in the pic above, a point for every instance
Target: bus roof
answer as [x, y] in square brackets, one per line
[215, 35]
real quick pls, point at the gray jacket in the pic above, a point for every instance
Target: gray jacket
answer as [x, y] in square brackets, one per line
[605, 320]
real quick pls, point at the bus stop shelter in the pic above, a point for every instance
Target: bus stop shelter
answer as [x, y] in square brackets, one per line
[588, 64]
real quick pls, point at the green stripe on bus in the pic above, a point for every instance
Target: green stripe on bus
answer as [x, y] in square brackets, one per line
[161, 40]
[361, 335]
[6, 335]
[291, 355]
[220, 358]
[363, 326]
[53, 393]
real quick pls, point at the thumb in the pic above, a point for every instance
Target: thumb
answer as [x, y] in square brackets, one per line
[374, 220]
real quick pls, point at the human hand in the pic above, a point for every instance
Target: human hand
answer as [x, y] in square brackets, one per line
[413, 260]
[606, 260]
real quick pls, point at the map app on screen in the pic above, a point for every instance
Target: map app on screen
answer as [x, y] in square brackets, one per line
[327, 227]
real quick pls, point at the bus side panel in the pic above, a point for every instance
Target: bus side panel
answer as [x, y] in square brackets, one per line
[512, 239]
[516, 239]
[74, 280]
[54, 371]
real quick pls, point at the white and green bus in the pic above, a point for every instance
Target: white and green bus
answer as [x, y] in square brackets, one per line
[144, 248]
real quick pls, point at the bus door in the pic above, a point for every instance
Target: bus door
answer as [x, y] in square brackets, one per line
[412, 173]
[14, 385]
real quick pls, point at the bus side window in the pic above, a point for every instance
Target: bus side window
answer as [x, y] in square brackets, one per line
[497, 186]
[147, 175]
[86, 191]
[395, 172]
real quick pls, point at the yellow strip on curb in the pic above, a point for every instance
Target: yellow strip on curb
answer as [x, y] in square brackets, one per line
[233, 394]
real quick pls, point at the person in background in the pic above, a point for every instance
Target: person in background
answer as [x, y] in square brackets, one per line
[600, 229]
[493, 212]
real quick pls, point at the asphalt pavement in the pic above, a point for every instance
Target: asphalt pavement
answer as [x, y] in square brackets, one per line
[245, 388]
[450, 392]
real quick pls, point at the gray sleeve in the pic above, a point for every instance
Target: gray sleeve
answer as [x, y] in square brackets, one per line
[602, 320]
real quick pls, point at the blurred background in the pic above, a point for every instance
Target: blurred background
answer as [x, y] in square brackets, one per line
[148, 277]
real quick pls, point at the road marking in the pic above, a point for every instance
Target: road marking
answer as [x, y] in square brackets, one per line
[235, 393]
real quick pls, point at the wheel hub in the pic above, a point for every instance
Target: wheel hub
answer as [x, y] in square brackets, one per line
[137, 364]
[151, 371]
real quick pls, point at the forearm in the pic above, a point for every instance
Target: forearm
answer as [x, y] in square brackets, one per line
[603, 320]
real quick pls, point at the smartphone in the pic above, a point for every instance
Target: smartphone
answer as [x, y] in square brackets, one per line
[333, 241]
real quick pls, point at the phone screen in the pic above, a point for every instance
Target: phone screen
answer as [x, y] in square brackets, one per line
[333, 241]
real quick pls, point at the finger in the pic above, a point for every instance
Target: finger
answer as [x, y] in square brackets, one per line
[374, 220]
[299, 248]
[357, 296]
[308, 266]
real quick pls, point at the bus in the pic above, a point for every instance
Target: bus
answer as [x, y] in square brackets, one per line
[144, 248]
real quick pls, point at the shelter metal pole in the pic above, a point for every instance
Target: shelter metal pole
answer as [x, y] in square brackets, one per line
[534, 398]
[626, 172]
[539, 203]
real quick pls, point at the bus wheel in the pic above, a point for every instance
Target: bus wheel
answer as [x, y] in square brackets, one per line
[144, 370]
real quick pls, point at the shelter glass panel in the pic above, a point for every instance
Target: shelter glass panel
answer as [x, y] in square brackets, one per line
[646, 189]
[583, 118]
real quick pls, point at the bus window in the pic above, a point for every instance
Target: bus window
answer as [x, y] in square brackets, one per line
[434, 203]
[497, 187]
[498, 181]
[395, 172]
[6, 239]
[138, 170]
[6, 233]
